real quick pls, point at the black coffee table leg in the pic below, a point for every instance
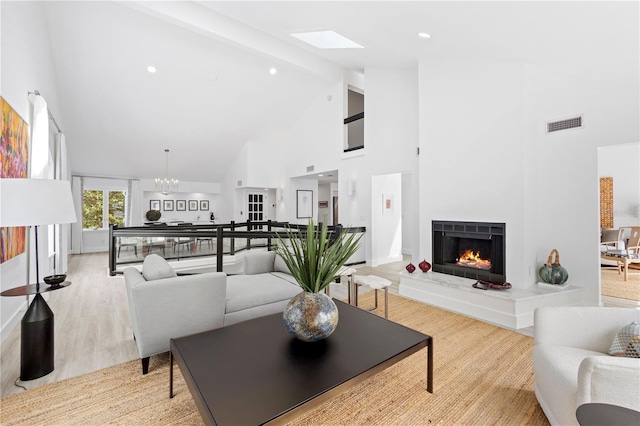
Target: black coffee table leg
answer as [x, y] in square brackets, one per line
[170, 374]
[430, 365]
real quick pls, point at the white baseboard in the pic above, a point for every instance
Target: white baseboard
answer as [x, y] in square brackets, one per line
[383, 260]
[616, 302]
[13, 321]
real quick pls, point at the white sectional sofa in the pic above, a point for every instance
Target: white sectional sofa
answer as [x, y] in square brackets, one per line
[571, 362]
[163, 305]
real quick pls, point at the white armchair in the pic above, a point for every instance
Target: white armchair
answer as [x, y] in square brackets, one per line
[571, 362]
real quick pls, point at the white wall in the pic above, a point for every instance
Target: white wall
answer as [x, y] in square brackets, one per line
[26, 66]
[182, 215]
[325, 214]
[485, 156]
[386, 223]
[410, 217]
[472, 152]
[621, 163]
[391, 141]
[567, 201]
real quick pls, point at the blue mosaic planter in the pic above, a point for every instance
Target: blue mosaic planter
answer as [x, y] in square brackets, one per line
[310, 316]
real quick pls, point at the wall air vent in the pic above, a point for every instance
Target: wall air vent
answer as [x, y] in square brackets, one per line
[239, 183]
[569, 123]
[310, 168]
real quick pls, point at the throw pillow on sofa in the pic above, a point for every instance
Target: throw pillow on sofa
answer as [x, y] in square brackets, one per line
[627, 341]
[155, 267]
[280, 266]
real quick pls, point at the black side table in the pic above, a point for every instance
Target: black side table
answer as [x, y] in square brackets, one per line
[36, 337]
[597, 414]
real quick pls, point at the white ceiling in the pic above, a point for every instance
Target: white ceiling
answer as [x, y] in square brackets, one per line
[213, 92]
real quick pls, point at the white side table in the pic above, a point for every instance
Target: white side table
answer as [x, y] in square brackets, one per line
[375, 283]
[345, 271]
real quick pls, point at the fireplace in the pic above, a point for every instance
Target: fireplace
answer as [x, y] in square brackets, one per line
[473, 250]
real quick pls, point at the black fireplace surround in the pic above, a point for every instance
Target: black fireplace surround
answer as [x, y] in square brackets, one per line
[486, 239]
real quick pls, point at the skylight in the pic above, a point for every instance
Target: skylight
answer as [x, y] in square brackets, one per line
[327, 40]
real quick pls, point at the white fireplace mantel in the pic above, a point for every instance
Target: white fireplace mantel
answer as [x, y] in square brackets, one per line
[512, 308]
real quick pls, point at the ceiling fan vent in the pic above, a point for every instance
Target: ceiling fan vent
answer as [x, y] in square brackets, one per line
[569, 123]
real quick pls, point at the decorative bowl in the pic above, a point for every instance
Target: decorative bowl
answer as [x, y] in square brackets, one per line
[55, 279]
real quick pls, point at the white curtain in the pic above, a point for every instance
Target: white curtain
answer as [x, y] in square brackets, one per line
[64, 231]
[76, 228]
[40, 139]
[134, 212]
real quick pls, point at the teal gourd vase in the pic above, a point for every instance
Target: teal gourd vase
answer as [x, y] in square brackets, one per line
[552, 272]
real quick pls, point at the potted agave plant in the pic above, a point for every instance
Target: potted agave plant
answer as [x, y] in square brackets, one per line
[315, 261]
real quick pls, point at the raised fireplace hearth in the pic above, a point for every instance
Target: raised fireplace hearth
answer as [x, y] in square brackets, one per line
[473, 250]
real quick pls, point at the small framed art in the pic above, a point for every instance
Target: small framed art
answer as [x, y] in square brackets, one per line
[181, 205]
[167, 205]
[154, 205]
[387, 204]
[193, 205]
[204, 204]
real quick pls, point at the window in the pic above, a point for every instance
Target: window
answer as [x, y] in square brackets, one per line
[101, 208]
[116, 208]
[354, 123]
[92, 209]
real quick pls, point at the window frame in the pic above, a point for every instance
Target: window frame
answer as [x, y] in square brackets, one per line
[105, 206]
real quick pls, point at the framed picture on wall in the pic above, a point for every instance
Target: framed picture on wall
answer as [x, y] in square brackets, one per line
[387, 204]
[181, 205]
[167, 205]
[193, 205]
[304, 203]
[204, 204]
[154, 205]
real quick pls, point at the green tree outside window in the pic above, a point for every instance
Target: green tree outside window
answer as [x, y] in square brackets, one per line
[92, 209]
[116, 208]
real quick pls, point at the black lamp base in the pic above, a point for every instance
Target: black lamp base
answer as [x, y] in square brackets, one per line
[36, 355]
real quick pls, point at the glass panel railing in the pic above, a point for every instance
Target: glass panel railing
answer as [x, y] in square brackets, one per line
[199, 247]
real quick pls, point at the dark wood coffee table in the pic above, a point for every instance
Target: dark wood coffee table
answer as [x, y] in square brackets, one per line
[255, 372]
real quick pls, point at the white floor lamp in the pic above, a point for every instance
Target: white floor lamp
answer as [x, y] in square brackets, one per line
[35, 202]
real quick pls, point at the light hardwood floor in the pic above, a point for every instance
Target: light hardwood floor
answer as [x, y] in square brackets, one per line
[92, 328]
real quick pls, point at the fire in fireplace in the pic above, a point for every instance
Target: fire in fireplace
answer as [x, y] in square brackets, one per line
[469, 249]
[472, 259]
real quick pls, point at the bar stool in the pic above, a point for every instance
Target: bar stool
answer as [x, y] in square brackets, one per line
[375, 283]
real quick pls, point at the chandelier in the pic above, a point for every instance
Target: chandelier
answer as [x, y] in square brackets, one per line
[165, 185]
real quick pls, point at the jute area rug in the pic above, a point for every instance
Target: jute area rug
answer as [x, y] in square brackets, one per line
[483, 376]
[614, 285]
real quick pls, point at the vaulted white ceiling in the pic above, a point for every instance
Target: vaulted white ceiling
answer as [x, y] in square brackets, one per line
[212, 91]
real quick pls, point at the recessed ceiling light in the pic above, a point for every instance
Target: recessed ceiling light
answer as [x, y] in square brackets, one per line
[424, 35]
[273, 71]
[327, 40]
[151, 69]
[320, 174]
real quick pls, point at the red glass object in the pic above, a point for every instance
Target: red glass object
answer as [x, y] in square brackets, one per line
[424, 266]
[411, 268]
